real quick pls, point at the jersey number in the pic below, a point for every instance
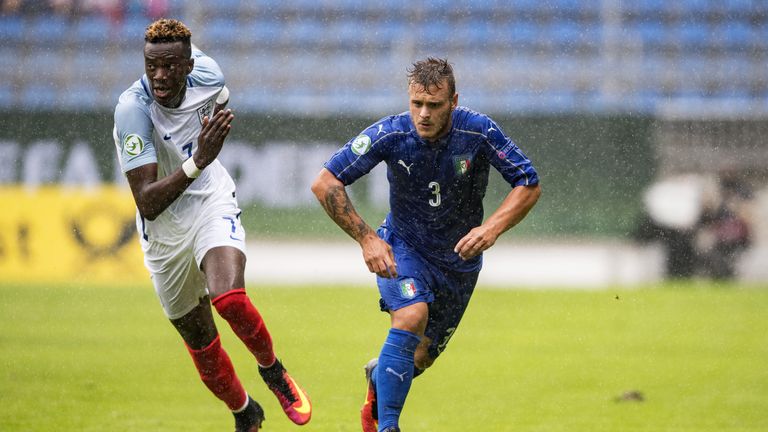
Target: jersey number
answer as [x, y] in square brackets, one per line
[435, 186]
[188, 148]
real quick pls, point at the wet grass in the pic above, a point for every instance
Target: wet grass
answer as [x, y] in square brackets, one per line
[94, 358]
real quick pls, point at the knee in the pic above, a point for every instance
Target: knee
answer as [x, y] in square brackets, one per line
[412, 318]
[421, 358]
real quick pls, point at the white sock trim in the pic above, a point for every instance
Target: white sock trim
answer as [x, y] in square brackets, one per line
[241, 409]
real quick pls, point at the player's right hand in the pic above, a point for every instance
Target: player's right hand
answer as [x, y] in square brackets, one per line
[379, 257]
[212, 136]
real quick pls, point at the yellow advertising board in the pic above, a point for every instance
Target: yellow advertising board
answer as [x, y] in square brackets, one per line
[57, 234]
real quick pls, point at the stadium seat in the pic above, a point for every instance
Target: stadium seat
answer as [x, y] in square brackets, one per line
[82, 96]
[12, 29]
[48, 31]
[261, 32]
[7, 95]
[11, 62]
[522, 34]
[39, 96]
[694, 35]
[94, 29]
[736, 35]
[221, 32]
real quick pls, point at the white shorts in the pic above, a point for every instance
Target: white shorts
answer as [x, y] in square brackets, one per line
[173, 256]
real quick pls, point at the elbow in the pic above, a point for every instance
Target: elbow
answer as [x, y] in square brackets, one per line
[317, 189]
[147, 212]
[148, 215]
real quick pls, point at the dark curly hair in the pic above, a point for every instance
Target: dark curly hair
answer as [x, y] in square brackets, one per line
[431, 72]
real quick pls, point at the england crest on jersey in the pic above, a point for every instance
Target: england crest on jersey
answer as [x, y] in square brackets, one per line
[205, 111]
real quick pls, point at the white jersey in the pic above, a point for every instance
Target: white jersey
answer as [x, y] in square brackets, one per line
[206, 214]
[147, 132]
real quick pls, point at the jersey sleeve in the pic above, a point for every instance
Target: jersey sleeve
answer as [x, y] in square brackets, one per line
[206, 72]
[361, 154]
[507, 158]
[133, 134]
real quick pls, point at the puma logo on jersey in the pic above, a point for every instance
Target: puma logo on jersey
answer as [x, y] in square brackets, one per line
[399, 375]
[407, 167]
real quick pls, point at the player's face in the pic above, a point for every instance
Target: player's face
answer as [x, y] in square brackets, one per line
[431, 109]
[167, 65]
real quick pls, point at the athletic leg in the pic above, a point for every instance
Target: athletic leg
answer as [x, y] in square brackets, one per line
[394, 372]
[224, 269]
[198, 330]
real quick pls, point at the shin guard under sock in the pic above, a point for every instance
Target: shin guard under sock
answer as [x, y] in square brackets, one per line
[236, 308]
[218, 374]
[394, 375]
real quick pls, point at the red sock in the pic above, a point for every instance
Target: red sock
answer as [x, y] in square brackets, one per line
[217, 373]
[245, 320]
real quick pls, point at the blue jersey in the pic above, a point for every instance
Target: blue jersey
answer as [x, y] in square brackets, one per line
[436, 189]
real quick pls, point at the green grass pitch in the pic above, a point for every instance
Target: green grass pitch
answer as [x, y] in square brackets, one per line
[96, 358]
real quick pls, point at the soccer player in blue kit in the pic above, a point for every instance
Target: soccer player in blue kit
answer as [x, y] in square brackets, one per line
[427, 254]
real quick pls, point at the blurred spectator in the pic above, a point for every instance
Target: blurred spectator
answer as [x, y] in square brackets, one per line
[724, 232]
[673, 209]
[701, 222]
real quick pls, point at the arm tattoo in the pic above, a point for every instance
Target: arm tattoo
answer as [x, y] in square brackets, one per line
[340, 209]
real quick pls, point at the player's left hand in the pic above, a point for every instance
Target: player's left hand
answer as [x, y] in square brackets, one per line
[475, 242]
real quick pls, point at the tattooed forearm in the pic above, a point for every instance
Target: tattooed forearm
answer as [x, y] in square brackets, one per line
[340, 209]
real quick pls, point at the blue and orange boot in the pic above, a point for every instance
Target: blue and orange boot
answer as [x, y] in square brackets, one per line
[293, 399]
[369, 414]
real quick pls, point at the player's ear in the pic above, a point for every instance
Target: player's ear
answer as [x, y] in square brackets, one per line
[190, 66]
[455, 100]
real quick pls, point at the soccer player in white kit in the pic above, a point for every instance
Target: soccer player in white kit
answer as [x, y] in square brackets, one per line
[169, 128]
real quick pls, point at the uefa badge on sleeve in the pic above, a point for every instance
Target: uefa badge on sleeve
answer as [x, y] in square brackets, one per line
[408, 288]
[361, 145]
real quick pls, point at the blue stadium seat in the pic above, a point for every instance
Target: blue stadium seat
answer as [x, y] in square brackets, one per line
[740, 6]
[82, 96]
[563, 33]
[50, 31]
[262, 32]
[737, 35]
[652, 33]
[698, 6]
[10, 61]
[522, 33]
[304, 32]
[7, 95]
[12, 29]
[386, 31]
[94, 29]
[222, 31]
[476, 32]
[39, 96]
[694, 35]
[132, 31]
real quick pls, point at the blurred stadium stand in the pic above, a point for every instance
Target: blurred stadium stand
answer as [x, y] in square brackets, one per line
[319, 56]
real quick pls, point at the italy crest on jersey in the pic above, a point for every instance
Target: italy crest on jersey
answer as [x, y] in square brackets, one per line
[408, 288]
[461, 164]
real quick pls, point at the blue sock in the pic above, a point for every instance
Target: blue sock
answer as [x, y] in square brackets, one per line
[394, 374]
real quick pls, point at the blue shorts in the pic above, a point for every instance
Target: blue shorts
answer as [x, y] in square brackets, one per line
[446, 292]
